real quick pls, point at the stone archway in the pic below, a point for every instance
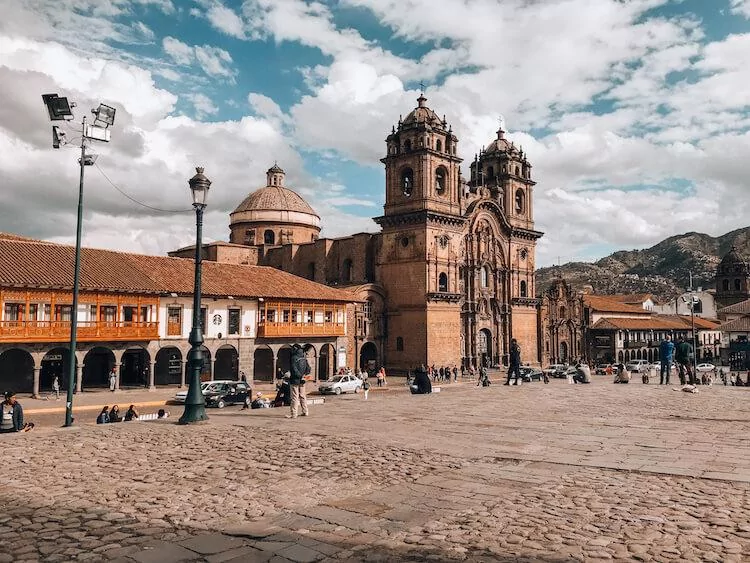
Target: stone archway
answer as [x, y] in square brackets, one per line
[311, 354]
[168, 367]
[484, 347]
[97, 364]
[206, 371]
[564, 352]
[326, 362]
[284, 359]
[263, 364]
[227, 363]
[134, 368]
[56, 363]
[368, 357]
[17, 371]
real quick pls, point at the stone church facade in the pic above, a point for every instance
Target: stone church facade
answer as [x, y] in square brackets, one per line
[450, 277]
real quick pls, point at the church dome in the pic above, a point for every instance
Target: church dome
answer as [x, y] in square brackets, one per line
[275, 198]
[274, 214]
[422, 114]
[734, 262]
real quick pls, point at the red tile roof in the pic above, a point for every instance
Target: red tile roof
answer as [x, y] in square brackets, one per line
[606, 304]
[743, 307]
[655, 322]
[28, 263]
[737, 325]
[631, 298]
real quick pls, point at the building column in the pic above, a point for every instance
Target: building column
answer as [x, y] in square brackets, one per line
[151, 386]
[79, 377]
[37, 369]
[117, 368]
[182, 374]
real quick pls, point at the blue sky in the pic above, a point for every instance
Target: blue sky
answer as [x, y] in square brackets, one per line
[634, 114]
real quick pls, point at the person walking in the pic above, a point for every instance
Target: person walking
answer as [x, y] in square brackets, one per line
[515, 361]
[299, 369]
[56, 387]
[112, 380]
[11, 414]
[682, 355]
[455, 373]
[365, 388]
[666, 352]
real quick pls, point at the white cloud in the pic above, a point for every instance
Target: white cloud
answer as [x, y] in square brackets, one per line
[214, 61]
[741, 7]
[202, 104]
[225, 20]
[180, 52]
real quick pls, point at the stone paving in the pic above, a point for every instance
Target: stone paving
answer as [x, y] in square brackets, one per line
[533, 473]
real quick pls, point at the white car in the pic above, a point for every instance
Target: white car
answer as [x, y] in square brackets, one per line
[341, 384]
[705, 367]
[637, 366]
[206, 387]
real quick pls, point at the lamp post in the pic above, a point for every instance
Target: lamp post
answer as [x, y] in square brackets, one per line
[60, 109]
[195, 408]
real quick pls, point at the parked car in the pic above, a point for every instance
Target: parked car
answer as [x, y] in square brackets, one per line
[637, 366]
[705, 367]
[604, 369]
[182, 395]
[222, 394]
[556, 370]
[341, 384]
[529, 374]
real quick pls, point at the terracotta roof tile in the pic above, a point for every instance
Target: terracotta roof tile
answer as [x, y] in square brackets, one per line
[41, 264]
[655, 322]
[742, 307]
[631, 298]
[606, 304]
[737, 325]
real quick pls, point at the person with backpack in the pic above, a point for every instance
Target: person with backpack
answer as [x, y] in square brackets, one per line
[299, 369]
[515, 362]
[682, 357]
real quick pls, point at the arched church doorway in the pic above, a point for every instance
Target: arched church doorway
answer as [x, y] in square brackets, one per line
[368, 357]
[263, 364]
[484, 347]
[563, 352]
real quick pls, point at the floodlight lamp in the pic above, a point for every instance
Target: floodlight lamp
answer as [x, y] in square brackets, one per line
[104, 114]
[57, 107]
[97, 133]
[89, 159]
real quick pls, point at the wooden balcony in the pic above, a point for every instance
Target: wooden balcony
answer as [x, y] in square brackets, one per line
[292, 330]
[88, 331]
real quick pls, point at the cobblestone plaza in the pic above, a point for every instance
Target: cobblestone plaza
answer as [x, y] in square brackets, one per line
[533, 473]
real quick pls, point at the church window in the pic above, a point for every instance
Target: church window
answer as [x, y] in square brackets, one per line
[490, 173]
[367, 309]
[404, 241]
[443, 282]
[737, 285]
[399, 344]
[438, 145]
[407, 145]
[725, 285]
[269, 237]
[523, 288]
[518, 171]
[311, 271]
[346, 274]
[440, 179]
[562, 312]
[249, 236]
[407, 181]
[698, 307]
[484, 276]
[520, 203]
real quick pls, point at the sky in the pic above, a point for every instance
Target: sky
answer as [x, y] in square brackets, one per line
[635, 114]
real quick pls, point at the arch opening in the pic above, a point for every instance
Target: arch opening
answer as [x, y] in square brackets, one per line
[168, 367]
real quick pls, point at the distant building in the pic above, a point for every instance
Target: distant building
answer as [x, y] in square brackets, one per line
[561, 324]
[705, 305]
[735, 328]
[732, 279]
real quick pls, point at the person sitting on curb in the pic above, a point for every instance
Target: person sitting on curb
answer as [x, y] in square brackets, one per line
[11, 415]
[583, 373]
[623, 375]
[114, 414]
[421, 384]
[103, 417]
[131, 414]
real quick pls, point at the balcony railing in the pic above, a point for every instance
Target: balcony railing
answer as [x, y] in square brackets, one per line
[58, 331]
[636, 344]
[269, 329]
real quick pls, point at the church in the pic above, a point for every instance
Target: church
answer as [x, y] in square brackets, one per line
[449, 279]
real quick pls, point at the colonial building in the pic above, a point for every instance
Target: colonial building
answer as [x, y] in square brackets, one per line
[450, 277]
[735, 328]
[562, 326]
[135, 314]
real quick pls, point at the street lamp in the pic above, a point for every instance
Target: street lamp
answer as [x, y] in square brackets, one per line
[195, 408]
[60, 109]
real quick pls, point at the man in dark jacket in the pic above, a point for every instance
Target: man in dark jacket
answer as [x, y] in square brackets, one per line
[682, 357]
[421, 384]
[11, 414]
[515, 361]
[666, 350]
[299, 369]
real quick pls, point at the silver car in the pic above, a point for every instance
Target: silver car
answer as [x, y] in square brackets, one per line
[341, 384]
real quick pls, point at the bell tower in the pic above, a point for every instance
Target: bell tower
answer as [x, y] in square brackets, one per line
[421, 252]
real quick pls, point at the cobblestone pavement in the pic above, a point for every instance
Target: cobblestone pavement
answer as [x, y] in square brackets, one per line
[537, 473]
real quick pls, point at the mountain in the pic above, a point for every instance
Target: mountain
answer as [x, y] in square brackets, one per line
[663, 269]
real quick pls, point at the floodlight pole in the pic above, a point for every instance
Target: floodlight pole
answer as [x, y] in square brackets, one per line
[692, 328]
[72, 368]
